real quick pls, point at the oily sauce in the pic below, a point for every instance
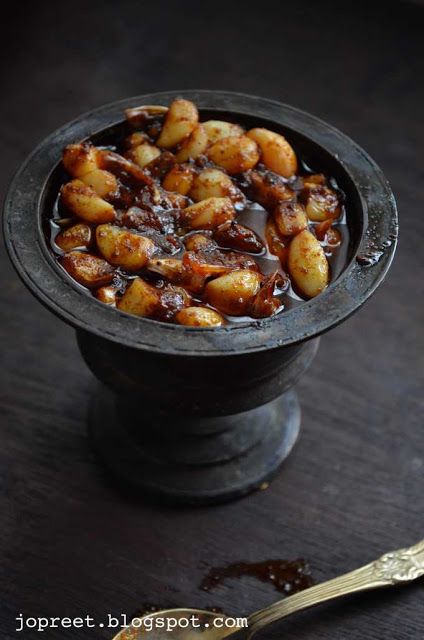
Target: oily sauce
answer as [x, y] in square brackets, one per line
[286, 576]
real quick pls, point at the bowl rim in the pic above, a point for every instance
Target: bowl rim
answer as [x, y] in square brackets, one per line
[26, 245]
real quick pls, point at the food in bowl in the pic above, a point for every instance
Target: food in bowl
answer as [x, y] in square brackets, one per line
[199, 223]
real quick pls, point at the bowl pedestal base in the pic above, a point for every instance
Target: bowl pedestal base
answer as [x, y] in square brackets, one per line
[193, 460]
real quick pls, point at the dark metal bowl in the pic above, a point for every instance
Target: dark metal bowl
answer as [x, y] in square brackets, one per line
[176, 383]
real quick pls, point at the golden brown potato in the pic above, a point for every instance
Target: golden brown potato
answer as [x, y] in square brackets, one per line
[179, 179]
[193, 146]
[84, 202]
[199, 317]
[276, 152]
[124, 248]
[217, 129]
[213, 183]
[235, 154]
[144, 154]
[135, 139]
[102, 182]
[77, 236]
[290, 218]
[140, 299]
[233, 292]
[182, 118]
[308, 266]
[79, 159]
[276, 244]
[322, 203]
[268, 189]
[197, 241]
[208, 213]
[87, 269]
[107, 295]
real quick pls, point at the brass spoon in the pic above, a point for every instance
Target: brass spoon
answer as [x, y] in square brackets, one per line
[396, 567]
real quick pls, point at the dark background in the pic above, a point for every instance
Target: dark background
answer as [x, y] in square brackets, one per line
[353, 488]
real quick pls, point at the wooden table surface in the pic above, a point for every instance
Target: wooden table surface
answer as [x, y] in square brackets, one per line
[71, 544]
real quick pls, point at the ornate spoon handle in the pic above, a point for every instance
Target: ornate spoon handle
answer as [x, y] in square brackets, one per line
[392, 568]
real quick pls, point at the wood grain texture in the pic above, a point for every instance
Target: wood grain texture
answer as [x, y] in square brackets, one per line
[353, 488]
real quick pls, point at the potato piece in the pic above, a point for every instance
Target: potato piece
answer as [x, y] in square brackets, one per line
[140, 299]
[144, 154]
[194, 145]
[179, 179]
[107, 295]
[198, 241]
[276, 245]
[87, 269]
[124, 248]
[217, 129]
[135, 139]
[208, 214]
[322, 203]
[84, 202]
[268, 189]
[77, 236]
[307, 264]
[290, 218]
[233, 292]
[213, 183]
[143, 299]
[79, 159]
[235, 153]
[102, 182]
[276, 152]
[199, 317]
[182, 118]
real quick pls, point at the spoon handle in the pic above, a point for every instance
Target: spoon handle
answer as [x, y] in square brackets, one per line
[396, 567]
